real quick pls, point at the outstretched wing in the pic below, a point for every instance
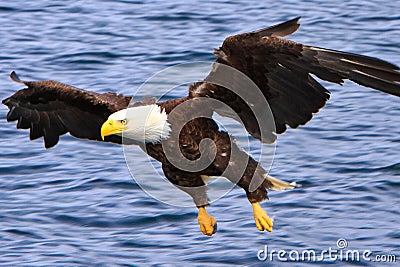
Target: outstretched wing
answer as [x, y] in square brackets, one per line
[281, 69]
[51, 109]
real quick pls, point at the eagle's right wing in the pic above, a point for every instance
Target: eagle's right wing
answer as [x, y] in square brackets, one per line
[51, 109]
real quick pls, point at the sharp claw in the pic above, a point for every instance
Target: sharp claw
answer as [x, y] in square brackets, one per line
[214, 228]
[208, 228]
[258, 225]
[202, 229]
[208, 224]
[269, 221]
[265, 225]
[263, 222]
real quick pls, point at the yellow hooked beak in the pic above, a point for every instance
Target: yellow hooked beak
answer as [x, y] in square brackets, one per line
[111, 127]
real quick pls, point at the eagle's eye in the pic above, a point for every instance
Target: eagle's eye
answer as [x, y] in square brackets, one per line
[123, 121]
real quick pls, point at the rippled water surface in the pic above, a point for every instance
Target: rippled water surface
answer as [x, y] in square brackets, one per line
[76, 204]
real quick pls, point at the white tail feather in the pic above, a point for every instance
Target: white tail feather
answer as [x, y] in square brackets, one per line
[280, 185]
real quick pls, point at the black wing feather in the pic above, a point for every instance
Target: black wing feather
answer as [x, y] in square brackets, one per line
[50, 109]
[282, 70]
[281, 29]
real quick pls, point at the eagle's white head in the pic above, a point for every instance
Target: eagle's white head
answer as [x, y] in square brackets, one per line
[147, 124]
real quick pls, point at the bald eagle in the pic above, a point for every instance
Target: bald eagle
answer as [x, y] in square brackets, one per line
[283, 71]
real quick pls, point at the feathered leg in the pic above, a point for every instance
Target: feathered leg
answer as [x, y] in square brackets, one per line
[193, 184]
[232, 159]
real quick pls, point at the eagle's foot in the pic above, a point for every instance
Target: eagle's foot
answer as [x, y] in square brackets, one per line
[263, 222]
[208, 224]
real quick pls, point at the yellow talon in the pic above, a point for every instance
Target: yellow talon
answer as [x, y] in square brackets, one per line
[263, 222]
[208, 224]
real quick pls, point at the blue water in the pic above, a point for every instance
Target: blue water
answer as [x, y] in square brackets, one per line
[76, 204]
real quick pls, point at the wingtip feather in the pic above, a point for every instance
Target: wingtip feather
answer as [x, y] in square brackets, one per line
[281, 29]
[15, 78]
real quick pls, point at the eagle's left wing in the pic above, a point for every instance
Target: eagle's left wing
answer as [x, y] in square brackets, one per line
[282, 71]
